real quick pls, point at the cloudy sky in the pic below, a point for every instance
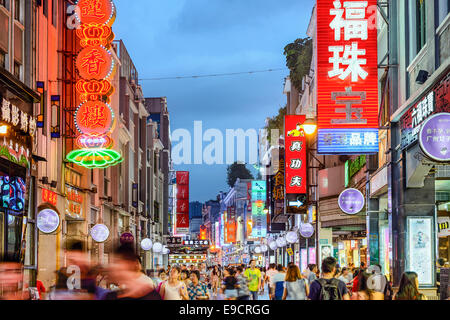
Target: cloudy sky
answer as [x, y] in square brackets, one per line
[197, 37]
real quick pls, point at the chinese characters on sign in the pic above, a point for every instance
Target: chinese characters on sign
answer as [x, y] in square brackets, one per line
[347, 77]
[259, 217]
[182, 214]
[434, 137]
[95, 64]
[295, 152]
[12, 115]
[49, 197]
[74, 203]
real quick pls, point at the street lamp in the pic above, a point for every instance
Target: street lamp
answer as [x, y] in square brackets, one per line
[309, 126]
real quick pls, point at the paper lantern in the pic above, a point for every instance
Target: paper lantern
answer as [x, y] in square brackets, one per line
[257, 250]
[157, 247]
[281, 242]
[273, 245]
[264, 248]
[292, 237]
[146, 244]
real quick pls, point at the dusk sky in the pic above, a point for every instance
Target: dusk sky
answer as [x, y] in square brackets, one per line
[197, 37]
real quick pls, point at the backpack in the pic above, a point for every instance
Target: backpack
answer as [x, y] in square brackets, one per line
[279, 290]
[329, 289]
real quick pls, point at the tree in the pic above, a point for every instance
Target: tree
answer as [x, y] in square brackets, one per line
[276, 122]
[298, 60]
[235, 171]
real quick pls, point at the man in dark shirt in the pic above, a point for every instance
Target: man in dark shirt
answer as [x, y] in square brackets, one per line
[328, 271]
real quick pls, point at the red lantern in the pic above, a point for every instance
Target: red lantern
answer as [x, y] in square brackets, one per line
[94, 118]
[95, 63]
[96, 11]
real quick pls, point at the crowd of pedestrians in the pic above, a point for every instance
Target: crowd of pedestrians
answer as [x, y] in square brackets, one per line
[124, 279]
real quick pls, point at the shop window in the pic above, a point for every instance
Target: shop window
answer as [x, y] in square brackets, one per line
[421, 24]
[417, 27]
[443, 10]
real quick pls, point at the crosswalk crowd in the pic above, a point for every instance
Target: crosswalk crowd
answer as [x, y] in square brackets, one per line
[124, 279]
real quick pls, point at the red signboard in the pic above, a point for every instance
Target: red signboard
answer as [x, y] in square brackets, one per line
[96, 11]
[295, 153]
[95, 63]
[183, 178]
[231, 231]
[49, 197]
[94, 117]
[182, 223]
[182, 206]
[347, 74]
[182, 192]
[203, 232]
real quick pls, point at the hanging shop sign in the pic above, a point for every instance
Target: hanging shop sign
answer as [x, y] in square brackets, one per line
[182, 206]
[126, 237]
[433, 102]
[174, 241]
[94, 118]
[306, 230]
[231, 225]
[49, 197]
[47, 221]
[203, 232]
[420, 258]
[99, 233]
[295, 153]
[196, 242]
[351, 201]
[434, 137]
[443, 227]
[347, 79]
[17, 118]
[278, 183]
[182, 225]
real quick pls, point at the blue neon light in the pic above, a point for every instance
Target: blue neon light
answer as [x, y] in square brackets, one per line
[347, 141]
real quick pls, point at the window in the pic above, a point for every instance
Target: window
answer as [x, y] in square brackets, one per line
[421, 24]
[17, 69]
[18, 10]
[45, 7]
[5, 3]
[2, 59]
[54, 11]
[443, 9]
[105, 183]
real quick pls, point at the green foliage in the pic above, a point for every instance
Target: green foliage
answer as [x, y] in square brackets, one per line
[298, 60]
[235, 171]
[276, 122]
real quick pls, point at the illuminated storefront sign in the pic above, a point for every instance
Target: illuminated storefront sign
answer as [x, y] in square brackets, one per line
[259, 217]
[347, 79]
[182, 213]
[99, 233]
[231, 225]
[434, 137]
[295, 152]
[351, 201]
[49, 197]
[217, 234]
[94, 118]
[12, 193]
[74, 203]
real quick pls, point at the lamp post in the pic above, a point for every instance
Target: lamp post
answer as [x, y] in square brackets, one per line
[310, 127]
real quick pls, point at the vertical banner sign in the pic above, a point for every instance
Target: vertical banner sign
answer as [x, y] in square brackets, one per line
[94, 117]
[231, 225]
[217, 234]
[182, 218]
[295, 152]
[259, 218]
[347, 79]
[420, 257]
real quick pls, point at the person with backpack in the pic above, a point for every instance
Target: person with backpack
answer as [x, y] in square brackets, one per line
[242, 285]
[328, 287]
[295, 285]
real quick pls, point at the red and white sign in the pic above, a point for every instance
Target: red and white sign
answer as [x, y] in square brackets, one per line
[347, 72]
[49, 197]
[182, 223]
[182, 217]
[295, 153]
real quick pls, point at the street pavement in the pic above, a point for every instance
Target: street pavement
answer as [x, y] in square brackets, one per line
[264, 296]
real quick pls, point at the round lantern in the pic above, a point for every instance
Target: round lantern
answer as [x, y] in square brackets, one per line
[281, 242]
[273, 245]
[146, 244]
[165, 250]
[264, 248]
[292, 237]
[157, 247]
[257, 250]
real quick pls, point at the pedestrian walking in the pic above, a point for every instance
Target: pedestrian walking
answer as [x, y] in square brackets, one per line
[409, 288]
[229, 286]
[174, 289]
[278, 283]
[328, 287]
[242, 285]
[254, 276]
[196, 289]
[295, 285]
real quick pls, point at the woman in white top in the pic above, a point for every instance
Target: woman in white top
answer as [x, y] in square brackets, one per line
[174, 289]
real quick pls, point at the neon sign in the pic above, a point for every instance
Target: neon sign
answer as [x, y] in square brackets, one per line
[347, 80]
[94, 118]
